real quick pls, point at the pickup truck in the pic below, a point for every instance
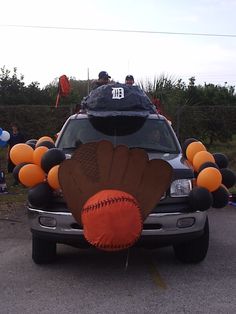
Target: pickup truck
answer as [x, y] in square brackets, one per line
[171, 223]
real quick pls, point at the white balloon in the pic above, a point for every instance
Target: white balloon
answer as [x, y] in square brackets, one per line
[5, 136]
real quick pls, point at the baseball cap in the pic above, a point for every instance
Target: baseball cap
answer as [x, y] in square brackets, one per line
[129, 77]
[103, 75]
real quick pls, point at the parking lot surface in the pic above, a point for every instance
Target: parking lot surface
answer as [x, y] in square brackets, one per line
[134, 281]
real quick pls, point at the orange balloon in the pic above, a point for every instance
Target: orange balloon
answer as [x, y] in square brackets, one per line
[194, 148]
[209, 178]
[43, 139]
[38, 154]
[21, 153]
[200, 158]
[30, 175]
[52, 178]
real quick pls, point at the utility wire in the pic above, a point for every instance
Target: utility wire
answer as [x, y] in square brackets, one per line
[118, 30]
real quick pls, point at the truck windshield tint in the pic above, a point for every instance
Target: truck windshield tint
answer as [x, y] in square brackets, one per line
[149, 134]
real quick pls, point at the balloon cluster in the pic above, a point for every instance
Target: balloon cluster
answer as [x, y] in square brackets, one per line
[213, 177]
[36, 167]
[4, 137]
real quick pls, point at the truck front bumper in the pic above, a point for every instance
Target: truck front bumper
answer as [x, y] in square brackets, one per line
[159, 228]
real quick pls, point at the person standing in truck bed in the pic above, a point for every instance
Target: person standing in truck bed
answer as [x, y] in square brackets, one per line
[103, 79]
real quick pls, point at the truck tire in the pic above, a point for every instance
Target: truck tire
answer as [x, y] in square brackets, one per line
[43, 251]
[193, 251]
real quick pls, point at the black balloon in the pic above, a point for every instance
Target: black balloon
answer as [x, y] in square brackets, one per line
[51, 158]
[33, 140]
[186, 143]
[200, 199]
[228, 177]
[40, 195]
[195, 173]
[47, 144]
[31, 143]
[16, 170]
[221, 160]
[220, 197]
[208, 164]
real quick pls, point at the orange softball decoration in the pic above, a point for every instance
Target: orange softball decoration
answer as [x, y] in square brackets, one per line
[200, 158]
[193, 148]
[112, 220]
[209, 178]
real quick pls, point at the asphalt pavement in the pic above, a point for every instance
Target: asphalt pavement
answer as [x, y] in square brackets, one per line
[134, 281]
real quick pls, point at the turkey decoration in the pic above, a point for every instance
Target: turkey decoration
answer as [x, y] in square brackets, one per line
[111, 190]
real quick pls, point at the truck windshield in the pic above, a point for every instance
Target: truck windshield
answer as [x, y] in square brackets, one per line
[150, 134]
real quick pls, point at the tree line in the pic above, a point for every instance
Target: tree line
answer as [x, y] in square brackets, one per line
[203, 111]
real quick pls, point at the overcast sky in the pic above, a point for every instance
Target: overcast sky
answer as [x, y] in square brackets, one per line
[60, 46]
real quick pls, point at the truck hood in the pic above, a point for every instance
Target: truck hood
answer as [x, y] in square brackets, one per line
[181, 167]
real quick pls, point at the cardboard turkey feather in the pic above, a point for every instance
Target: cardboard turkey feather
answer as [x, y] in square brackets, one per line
[98, 166]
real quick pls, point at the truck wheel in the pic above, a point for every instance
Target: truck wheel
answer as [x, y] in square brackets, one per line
[193, 251]
[43, 251]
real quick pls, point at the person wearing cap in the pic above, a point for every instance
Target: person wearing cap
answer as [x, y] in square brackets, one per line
[103, 79]
[129, 80]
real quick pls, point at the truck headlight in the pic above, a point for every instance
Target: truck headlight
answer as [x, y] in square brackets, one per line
[180, 187]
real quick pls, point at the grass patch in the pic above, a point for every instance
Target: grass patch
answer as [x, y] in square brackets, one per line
[16, 197]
